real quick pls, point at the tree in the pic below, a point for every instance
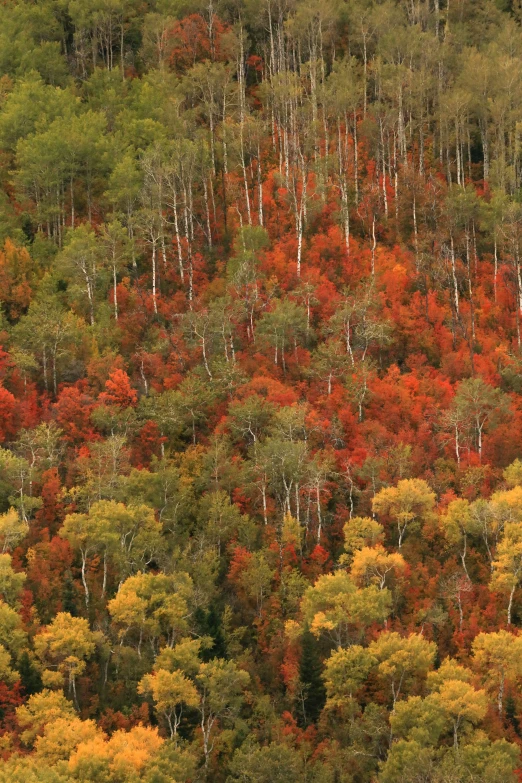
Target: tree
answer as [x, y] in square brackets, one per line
[125, 754]
[50, 333]
[330, 362]
[480, 405]
[401, 661]
[361, 532]
[507, 565]
[458, 522]
[250, 419]
[88, 534]
[372, 565]
[170, 690]
[283, 327]
[9, 675]
[407, 762]
[254, 575]
[336, 607]
[11, 582]
[40, 710]
[418, 720]
[311, 686]
[81, 261]
[131, 535]
[12, 530]
[462, 704]
[345, 671]
[118, 390]
[13, 637]
[497, 658]
[15, 279]
[284, 464]
[62, 737]
[221, 684]
[410, 502]
[154, 607]
[222, 519]
[274, 763]
[63, 648]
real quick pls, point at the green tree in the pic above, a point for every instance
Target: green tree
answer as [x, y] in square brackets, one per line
[221, 685]
[283, 327]
[336, 607]
[345, 671]
[91, 533]
[11, 581]
[274, 763]
[482, 405]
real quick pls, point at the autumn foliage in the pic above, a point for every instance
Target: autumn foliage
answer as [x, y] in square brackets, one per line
[260, 392]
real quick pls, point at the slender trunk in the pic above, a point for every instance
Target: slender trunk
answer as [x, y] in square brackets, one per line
[510, 604]
[374, 246]
[115, 294]
[319, 516]
[454, 276]
[463, 555]
[259, 186]
[104, 584]
[154, 300]
[84, 580]
[495, 273]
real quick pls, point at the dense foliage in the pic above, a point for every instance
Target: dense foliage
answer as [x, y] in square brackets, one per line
[260, 391]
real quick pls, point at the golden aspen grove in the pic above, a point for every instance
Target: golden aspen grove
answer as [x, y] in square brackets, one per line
[260, 391]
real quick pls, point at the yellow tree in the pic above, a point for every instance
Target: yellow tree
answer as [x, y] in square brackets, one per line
[170, 691]
[123, 757]
[360, 532]
[452, 692]
[402, 660]
[497, 657]
[184, 655]
[507, 566]
[513, 474]
[153, 606]
[374, 566]
[63, 647]
[504, 507]
[410, 502]
[12, 634]
[7, 673]
[462, 704]
[130, 534]
[62, 736]
[41, 709]
[448, 670]
[12, 530]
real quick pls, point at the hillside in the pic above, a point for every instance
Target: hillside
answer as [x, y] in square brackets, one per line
[260, 391]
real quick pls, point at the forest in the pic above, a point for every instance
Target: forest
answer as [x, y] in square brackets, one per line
[260, 391]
